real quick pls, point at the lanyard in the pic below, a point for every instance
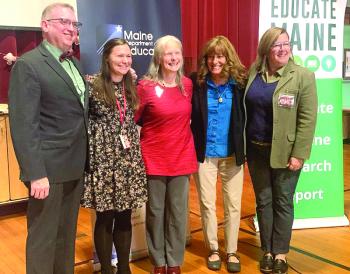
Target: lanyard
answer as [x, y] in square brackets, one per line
[122, 114]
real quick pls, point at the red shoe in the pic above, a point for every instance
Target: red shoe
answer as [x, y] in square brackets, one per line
[173, 270]
[159, 270]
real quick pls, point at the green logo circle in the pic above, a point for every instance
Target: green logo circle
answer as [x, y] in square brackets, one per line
[328, 63]
[298, 60]
[312, 63]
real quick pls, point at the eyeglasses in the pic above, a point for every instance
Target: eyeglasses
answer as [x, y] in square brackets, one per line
[66, 22]
[281, 45]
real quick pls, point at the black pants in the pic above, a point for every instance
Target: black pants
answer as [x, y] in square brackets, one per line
[113, 227]
[52, 225]
[274, 190]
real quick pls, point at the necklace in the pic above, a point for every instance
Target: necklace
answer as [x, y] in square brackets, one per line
[168, 84]
[221, 94]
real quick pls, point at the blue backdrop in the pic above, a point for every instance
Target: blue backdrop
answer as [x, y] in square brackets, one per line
[140, 22]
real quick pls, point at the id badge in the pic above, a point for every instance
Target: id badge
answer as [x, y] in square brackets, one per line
[286, 100]
[125, 141]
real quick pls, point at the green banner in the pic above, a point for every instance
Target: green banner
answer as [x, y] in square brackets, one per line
[320, 190]
[316, 35]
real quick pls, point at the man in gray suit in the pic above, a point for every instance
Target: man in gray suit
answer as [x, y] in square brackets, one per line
[48, 120]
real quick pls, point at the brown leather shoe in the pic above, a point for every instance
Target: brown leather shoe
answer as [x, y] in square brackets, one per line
[159, 270]
[173, 270]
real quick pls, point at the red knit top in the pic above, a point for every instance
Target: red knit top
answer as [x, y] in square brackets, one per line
[166, 139]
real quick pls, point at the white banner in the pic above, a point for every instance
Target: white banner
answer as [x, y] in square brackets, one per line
[315, 34]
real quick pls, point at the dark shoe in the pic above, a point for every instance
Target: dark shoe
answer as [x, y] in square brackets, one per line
[173, 270]
[280, 267]
[233, 267]
[214, 265]
[159, 270]
[110, 270]
[123, 271]
[266, 263]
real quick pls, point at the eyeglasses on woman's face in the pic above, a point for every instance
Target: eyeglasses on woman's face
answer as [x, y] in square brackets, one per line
[280, 45]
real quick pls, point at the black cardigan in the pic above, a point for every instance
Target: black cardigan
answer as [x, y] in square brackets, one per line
[199, 120]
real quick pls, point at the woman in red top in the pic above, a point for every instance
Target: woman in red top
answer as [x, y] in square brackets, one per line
[168, 153]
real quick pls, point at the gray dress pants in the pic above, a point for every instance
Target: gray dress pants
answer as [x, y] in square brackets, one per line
[274, 189]
[52, 225]
[166, 219]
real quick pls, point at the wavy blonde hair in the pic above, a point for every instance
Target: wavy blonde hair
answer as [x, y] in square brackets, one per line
[233, 68]
[154, 72]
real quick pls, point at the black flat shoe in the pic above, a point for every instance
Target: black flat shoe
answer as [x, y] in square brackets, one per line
[280, 267]
[233, 267]
[266, 263]
[214, 265]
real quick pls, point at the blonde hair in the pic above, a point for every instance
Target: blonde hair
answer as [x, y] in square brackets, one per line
[232, 68]
[154, 72]
[267, 40]
[47, 11]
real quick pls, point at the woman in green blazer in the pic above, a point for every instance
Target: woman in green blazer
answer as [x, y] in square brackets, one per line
[281, 108]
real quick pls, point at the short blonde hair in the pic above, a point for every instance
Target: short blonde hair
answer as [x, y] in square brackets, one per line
[154, 72]
[47, 11]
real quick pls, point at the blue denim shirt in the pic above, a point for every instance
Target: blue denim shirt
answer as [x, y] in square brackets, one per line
[219, 119]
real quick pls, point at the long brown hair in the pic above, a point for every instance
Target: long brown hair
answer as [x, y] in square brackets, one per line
[103, 85]
[233, 67]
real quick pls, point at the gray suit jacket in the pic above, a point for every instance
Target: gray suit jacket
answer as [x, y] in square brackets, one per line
[47, 120]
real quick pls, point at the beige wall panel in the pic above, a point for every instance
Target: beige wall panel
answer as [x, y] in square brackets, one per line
[17, 188]
[4, 177]
[25, 13]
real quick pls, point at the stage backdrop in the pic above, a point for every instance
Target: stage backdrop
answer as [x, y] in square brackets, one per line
[139, 22]
[316, 34]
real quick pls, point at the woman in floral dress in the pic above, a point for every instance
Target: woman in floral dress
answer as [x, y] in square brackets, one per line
[115, 180]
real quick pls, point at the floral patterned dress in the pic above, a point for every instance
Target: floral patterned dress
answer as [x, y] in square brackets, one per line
[115, 178]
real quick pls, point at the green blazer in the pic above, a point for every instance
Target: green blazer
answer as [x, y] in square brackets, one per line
[293, 127]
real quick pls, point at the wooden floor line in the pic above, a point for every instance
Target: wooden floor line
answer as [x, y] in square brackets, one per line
[248, 243]
[195, 213]
[247, 216]
[82, 262]
[196, 230]
[296, 270]
[248, 232]
[312, 255]
[346, 190]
